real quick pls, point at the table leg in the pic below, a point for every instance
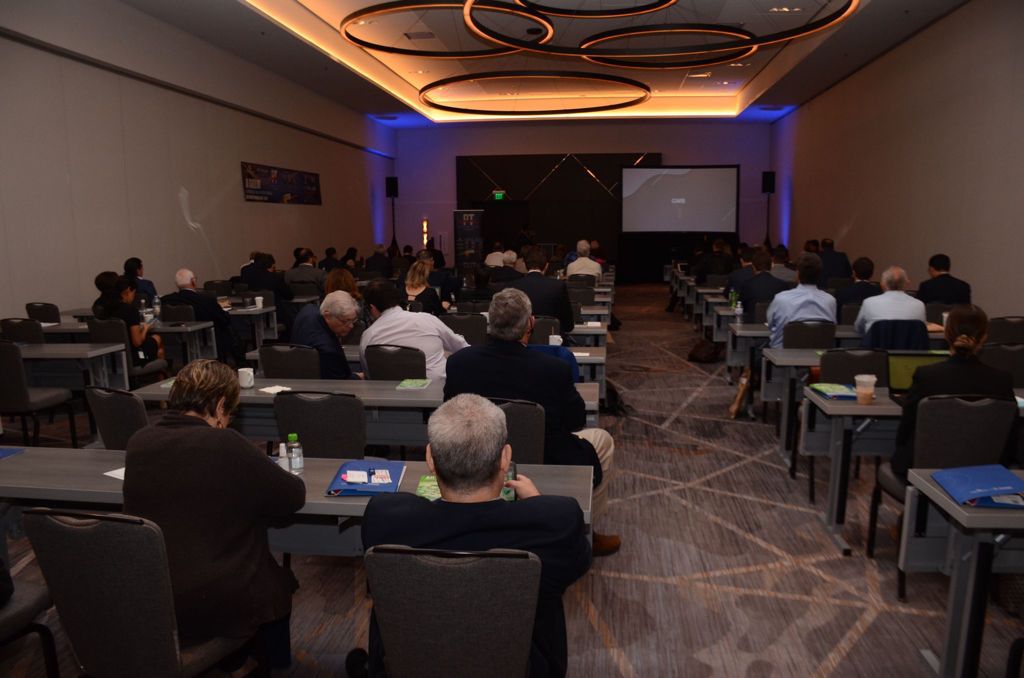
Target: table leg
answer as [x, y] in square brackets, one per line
[838, 481]
[965, 609]
[786, 434]
[257, 331]
[123, 359]
[98, 374]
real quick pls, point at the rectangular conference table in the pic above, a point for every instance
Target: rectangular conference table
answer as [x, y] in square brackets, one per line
[596, 312]
[90, 358]
[324, 525]
[262, 322]
[197, 337]
[393, 417]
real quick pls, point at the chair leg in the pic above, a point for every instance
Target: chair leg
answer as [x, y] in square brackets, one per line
[49, 648]
[71, 425]
[856, 467]
[1013, 661]
[35, 429]
[810, 478]
[876, 500]
[901, 585]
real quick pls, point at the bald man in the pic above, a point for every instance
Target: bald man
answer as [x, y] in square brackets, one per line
[892, 304]
[205, 307]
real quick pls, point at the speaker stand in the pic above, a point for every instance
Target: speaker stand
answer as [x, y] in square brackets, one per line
[768, 221]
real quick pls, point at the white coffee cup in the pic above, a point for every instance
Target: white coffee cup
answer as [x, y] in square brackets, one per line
[945, 317]
[555, 340]
[259, 302]
[865, 387]
[246, 377]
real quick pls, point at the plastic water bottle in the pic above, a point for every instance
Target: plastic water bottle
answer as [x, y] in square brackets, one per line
[295, 453]
[739, 308]
[282, 457]
[156, 306]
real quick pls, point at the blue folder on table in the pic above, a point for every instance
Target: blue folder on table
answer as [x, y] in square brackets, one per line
[340, 487]
[990, 486]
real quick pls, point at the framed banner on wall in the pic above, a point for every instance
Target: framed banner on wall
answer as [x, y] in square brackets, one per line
[263, 183]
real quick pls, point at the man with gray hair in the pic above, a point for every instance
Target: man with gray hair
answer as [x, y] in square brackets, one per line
[584, 264]
[468, 453]
[205, 308]
[507, 272]
[323, 328]
[507, 368]
[892, 304]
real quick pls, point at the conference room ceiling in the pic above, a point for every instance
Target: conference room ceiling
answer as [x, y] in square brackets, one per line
[420, 55]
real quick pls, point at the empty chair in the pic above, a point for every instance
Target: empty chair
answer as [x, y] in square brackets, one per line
[355, 334]
[113, 331]
[525, 422]
[43, 312]
[464, 638]
[950, 431]
[582, 295]
[118, 415]
[1005, 357]
[24, 330]
[761, 311]
[717, 280]
[1006, 330]
[177, 314]
[329, 425]
[543, 328]
[388, 362]
[220, 288]
[19, 399]
[933, 312]
[110, 582]
[849, 313]
[472, 326]
[582, 280]
[838, 283]
[808, 334]
[289, 361]
[897, 335]
[840, 365]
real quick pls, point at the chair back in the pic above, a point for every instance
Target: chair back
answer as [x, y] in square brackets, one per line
[14, 385]
[388, 362]
[109, 579]
[239, 288]
[329, 425]
[582, 280]
[577, 312]
[354, 334]
[543, 328]
[25, 330]
[302, 288]
[289, 361]
[962, 430]
[838, 283]
[809, 334]
[848, 314]
[897, 335]
[221, 288]
[761, 311]
[472, 326]
[1005, 357]
[462, 637]
[474, 306]
[43, 312]
[109, 331]
[415, 307]
[180, 313]
[582, 295]
[368, 274]
[268, 296]
[1006, 330]
[933, 312]
[840, 365]
[118, 415]
[525, 422]
[717, 280]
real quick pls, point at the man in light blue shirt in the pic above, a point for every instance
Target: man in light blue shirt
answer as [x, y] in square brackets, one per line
[803, 302]
[892, 304]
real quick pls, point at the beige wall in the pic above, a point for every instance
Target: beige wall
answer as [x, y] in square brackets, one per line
[920, 152]
[426, 159]
[91, 163]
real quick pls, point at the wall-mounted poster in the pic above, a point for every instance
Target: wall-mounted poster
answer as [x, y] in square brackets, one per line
[262, 183]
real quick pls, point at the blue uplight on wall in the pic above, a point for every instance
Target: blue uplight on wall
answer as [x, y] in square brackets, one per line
[785, 205]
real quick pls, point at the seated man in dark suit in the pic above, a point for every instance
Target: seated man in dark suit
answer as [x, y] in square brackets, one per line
[329, 262]
[505, 368]
[861, 289]
[261, 276]
[745, 272]
[506, 272]
[379, 261]
[306, 272]
[205, 308]
[468, 453]
[943, 288]
[549, 296]
[323, 327]
[762, 287]
[833, 264]
[716, 263]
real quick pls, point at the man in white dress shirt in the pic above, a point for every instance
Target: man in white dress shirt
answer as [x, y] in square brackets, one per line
[394, 325]
[892, 304]
[584, 264]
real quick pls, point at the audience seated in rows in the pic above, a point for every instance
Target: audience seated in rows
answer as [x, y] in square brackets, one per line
[468, 453]
[583, 265]
[214, 495]
[323, 327]
[394, 325]
[505, 368]
[718, 262]
[548, 296]
[943, 288]
[804, 302]
[205, 308]
[762, 286]
[306, 271]
[861, 289]
[117, 300]
[743, 273]
[893, 304]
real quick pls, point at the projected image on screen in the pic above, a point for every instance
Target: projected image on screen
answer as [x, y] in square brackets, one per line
[679, 199]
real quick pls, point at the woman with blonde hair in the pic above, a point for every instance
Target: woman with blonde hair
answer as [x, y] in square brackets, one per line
[417, 288]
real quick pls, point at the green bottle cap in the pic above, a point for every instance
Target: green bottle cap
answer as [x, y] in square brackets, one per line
[293, 437]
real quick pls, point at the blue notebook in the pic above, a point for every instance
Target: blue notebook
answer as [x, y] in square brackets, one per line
[10, 451]
[990, 486]
[366, 478]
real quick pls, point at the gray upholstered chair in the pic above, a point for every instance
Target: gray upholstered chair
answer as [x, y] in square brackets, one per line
[808, 334]
[1005, 357]
[1006, 330]
[388, 362]
[761, 311]
[933, 312]
[110, 582]
[329, 425]
[848, 314]
[582, 280]
[525, 422]
[180, 313]
[118, 415]
[838, 283]
[114, 331]
[19, 399]
[289, 361]
[461, 637]
[953, 430]
[24, 330]
[43, 312]
[717, 280]
[474, 306]
[302, 288]
[583, 295]
[543, 328]
[472, 326]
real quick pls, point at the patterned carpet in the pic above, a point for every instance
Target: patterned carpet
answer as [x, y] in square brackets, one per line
[725, 569]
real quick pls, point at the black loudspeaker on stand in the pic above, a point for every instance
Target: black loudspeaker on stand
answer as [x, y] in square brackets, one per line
[391, 191]
[768, 187]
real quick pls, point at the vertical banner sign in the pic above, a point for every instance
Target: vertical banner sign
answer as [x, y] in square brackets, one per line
[469, 242]
[262, 183]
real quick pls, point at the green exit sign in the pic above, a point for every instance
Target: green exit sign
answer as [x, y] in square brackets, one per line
[498, 195]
